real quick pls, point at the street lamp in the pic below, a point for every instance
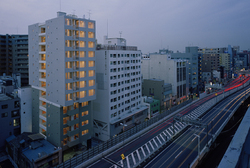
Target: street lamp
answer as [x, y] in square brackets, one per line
[124, 125]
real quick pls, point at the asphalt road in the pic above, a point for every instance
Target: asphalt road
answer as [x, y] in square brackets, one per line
[137, 150]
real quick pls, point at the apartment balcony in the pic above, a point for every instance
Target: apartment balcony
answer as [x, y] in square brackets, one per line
[75, 88]
[75, 37]
[73, 122]
[42, 117]
[73, 143]
[75, 78]
[75, 67]
[41, 107]
[75, 57]
[72, 112]
[43, 126]
[72, 133]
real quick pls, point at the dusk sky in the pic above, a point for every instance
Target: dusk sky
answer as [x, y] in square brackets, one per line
[148, 24]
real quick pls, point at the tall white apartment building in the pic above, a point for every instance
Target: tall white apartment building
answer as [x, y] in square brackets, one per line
[174, 71]
[62, 75]
[118, 104]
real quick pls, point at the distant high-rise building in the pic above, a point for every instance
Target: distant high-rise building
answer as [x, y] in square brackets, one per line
[191, 55]
[62, 75]
[118, 73]
[14, 56]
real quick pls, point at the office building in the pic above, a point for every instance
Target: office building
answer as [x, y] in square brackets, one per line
[10, 112]
[118, 74]
[192, 56]
[14, 56]
[62, 76]
[173, 71]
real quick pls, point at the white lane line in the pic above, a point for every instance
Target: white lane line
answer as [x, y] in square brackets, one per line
[143, 152]
[162, 138]
[159, 140]
[127, 162]
[151, 145]
[148, 148]
[193, 139]
[178, 154]
[133, 158]
[139, 157]
[155, 142]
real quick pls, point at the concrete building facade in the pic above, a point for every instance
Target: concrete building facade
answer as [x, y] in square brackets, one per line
[191, 55]
[10, 114]
[118, 74]
[14, 56]
[62, 75]
[171, 71]
[158, 90]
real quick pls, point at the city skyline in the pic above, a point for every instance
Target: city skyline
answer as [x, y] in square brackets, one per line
[146, 24]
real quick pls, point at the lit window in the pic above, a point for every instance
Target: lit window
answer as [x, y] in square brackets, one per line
[85, 132]
[91, 25]
[91, 73]
[91, 92]
[85, 113]
[85, 103]
[82, 74]
[91, 54]
[82, 94]
[91, 63]
[82, 43]
[82, 34]
[85, 122]
[91, 82]
[82, 84]
[82, 64]
[82, 24]
[82, 53]
[90, 35]
[91, 44]
[68, 97]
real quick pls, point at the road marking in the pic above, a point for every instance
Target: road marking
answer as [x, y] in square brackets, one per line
[159, 140]
[151, 145]
[178, 154]
[133, 158]
[128, 165]
[193, 139]
[139, 157]
[143, 152]
[155, 142]
[162, 138]
[148, 148]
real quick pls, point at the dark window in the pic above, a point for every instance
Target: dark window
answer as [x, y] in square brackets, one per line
[5, 106]
[4, 114]
[17, 104]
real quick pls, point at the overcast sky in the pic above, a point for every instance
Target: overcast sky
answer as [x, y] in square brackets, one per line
[148, 24]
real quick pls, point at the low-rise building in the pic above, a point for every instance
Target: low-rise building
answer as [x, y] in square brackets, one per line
[32, 151]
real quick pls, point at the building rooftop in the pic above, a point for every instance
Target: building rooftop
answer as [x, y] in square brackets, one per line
[33, 146]
[4, 97]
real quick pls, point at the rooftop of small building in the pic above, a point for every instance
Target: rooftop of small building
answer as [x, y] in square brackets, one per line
[4, 97]
[33, 146]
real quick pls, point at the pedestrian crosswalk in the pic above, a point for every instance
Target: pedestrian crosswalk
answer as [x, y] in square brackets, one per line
[195, 114]
[143, 152]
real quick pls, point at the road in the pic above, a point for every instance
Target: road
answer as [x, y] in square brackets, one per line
[184, 150]
[130, 155]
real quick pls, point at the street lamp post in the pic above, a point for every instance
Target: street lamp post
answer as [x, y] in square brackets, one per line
[124, 125]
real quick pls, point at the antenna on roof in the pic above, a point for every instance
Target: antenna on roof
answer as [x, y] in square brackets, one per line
[60, 5]
[107, 27]
[89, 13]
[120, 32]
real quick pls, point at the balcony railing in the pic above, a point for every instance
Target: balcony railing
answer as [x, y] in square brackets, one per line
[115, 47]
